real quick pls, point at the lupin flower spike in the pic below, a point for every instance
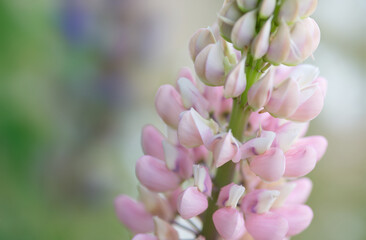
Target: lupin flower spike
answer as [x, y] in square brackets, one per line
[245, 124]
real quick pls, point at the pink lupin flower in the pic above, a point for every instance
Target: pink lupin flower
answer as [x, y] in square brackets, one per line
[178, 160]
[258, 145]
[151, 141]
[144, 237]
[200, 39]
[300, 161]
[186, 72]
[300, 192]
[155, 204]
[229, 221]
[224, 195]
[298, 217]
[270, 166]
[260, 92]
[199, 154]
[164, 231]
[319, 143]
[194, 130]
[169, 105]
[192, 97]
[225, 148]
[153, 174]
[260, 222]
[284, 99]
[133, 215]
[193, 201]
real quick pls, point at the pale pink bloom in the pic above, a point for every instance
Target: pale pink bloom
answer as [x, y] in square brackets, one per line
[244, 30]
[319, 143]
[236, 81]
[151, 141]
[133, 215]
[226, 148]
[153, 174]
[260, 92]
[258, 145]
[300, 161]
[199, 154]
[169, 105]
[224, 195]
[307, 7]
[289, 11]
[192, 97]
[267, 226]
[202, 179]
[229, 221]
[144, 237]
[298, 217]
[186, 72]
[284, 99]
[155, 204]
[172, 198]
[305, 38]
[301, 191]
[163, 230]
[200, 39]
[194, 130]
[209, 65]
[270, 166]
[178, 160]
[260, 43]
[192, 202]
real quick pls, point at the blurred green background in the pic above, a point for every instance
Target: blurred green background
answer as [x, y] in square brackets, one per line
[77, 82]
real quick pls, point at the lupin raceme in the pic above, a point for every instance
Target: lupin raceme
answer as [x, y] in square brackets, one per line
[233, 162]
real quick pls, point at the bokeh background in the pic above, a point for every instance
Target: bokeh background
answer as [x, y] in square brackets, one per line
[77, 83]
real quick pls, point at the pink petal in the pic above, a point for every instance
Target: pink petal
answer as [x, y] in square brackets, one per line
[153, 174]
[301, 192]
[133, 214]
[267, 226]
[191, 203]
[300, 161]
[261, 91]
[319, 143]
[229, 223]
[169, 105]
[298, 216]
[224, 195]
[269, 166]
[226, 148]
[144, 237]
[284, 99]
[310, 108]
[151, 141]
[185, 72]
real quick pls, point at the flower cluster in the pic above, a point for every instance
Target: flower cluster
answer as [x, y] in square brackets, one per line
[235, 155]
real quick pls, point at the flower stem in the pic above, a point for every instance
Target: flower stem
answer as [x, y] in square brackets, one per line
[238, 122]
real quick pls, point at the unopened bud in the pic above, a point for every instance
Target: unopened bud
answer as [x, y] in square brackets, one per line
[307, 7]
[289, 11]
[236, 81]
[228, 15]
[260, 92]
[209, 65]
[247, 5]
[260, 43]
[244, 30]
[266, 8]
[279, 46]
[200, 39]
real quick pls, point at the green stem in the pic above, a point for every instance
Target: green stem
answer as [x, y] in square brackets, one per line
[238, 122]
